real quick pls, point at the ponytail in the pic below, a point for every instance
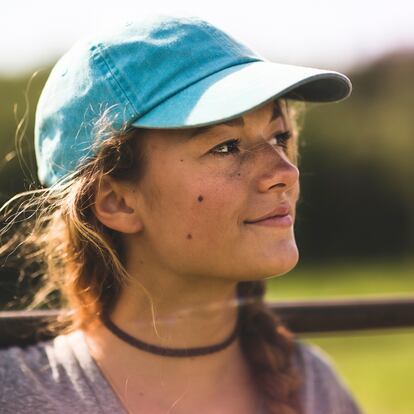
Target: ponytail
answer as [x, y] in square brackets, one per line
[269, 347]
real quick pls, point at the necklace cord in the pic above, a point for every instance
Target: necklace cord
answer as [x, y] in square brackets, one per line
[165, 351]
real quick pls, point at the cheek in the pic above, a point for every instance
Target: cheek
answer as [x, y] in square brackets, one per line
[194, 200]
[218, 194]
[212, 205]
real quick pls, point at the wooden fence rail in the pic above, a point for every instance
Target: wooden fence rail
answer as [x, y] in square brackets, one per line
[302, 317]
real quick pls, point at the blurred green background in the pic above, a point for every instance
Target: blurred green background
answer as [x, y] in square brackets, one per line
[355, 221]
[378, 365]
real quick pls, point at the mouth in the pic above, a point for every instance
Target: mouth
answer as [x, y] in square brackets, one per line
[285, 220]
[280, 216]
[281, 211]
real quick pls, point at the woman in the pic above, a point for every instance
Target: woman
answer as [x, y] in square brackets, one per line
[169, 151]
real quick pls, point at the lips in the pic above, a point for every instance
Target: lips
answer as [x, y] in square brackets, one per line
[277, 212]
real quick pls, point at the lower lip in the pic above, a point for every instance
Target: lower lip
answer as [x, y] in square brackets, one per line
[277, 221]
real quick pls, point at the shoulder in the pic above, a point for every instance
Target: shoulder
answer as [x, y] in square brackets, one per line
[24, 371]
[324, 391]
[49, 377]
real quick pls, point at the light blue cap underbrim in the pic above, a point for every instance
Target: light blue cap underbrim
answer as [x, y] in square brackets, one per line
[238, 89]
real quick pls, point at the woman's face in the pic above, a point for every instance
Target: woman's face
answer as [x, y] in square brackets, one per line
[202, 189]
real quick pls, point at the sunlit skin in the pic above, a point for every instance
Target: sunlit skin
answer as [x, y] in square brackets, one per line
[188, 244]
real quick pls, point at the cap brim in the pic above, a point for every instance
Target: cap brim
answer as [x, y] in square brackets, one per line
[238, 89]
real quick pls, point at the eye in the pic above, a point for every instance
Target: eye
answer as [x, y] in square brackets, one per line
[232, 146]
[225, 148]
[282, 138]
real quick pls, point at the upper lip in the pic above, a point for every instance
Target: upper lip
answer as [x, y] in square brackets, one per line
[278, 211]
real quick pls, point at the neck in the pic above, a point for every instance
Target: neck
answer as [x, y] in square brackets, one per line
[201, 313]
[185, 319]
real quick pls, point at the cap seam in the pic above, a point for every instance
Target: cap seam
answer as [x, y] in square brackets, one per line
[115, 83]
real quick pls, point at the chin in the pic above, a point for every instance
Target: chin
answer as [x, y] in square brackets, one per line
[286, 268]
[283, 261]
[272, 264]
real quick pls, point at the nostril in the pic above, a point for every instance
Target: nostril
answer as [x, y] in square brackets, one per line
[280, 176]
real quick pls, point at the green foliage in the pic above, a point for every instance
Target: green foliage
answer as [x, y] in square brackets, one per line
[344, 280]
[357, 169]
[378, 368]
[18, 100]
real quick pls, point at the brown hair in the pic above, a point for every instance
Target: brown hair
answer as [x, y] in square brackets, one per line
[81, 260]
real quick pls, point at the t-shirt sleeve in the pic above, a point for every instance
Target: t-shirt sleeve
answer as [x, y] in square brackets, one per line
[53, 377]
[326, 392]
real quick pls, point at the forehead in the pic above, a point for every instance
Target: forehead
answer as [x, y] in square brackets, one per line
[274, 111]
[276, 108]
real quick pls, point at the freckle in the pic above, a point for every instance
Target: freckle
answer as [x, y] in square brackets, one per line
[189, 236]
[200, 198]
[181, 160]
[238, 174]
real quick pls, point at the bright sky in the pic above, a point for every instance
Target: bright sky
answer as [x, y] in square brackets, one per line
[329, 34]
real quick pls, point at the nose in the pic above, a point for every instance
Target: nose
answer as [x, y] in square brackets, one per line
[278, 173]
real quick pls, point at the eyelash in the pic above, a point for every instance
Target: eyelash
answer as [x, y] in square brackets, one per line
[284, 137]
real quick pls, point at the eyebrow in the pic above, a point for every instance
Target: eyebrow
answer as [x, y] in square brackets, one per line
[276, 113]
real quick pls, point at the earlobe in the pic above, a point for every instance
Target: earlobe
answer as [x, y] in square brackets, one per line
[115, 206]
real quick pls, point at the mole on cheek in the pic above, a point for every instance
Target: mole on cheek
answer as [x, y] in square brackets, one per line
[189, 236]
[200, 198]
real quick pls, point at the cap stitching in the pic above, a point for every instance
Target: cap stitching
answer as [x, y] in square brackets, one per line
[119, 90]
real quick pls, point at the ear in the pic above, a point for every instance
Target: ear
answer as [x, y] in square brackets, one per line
[115, 206]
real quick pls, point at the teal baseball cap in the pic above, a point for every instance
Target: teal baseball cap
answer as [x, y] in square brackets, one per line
[162, 71]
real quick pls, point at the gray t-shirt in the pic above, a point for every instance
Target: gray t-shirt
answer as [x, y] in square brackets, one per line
[60, 376]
